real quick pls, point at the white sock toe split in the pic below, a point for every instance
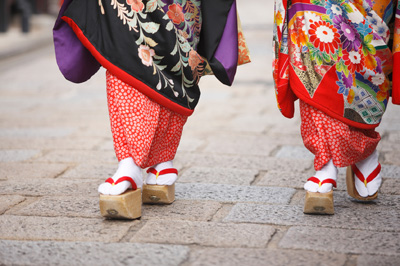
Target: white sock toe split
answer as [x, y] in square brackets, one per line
[121, 180]
[369, 172]
[324, 180]
[162, 174]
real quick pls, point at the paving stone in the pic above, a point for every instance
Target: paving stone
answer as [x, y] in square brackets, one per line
[390, 171]
[391, 157]
[341, 240]
[190, 143]
[357, 218]
[390, 186]
[240, 144]
[30, 171]
[182, 210]
[89, 253]
[65, 206]
[243, 161]
[17, 155]
[67, 143]
[8, 201]
[36, 132]
[71, 156]
[230, 193]
[218, 176]
[62, 228]
[47, 187]
[369, 260]
[294, 152]
[256, 257]
[91, 171]
[205, 234]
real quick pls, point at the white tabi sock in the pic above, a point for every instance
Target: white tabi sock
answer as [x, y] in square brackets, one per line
[166, 179]
[328, 171]
[126, 167]
[366, 167]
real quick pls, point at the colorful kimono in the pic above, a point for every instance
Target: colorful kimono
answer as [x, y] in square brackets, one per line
[160, 47]
[341, 57]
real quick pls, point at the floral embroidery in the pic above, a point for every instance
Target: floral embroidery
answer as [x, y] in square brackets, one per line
[175, 14]
[146, 54]
[136, 5]
[324, 36]
[344, 39]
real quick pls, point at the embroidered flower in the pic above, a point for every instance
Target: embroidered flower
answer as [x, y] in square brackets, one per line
[175, 13]
[310, 18]
[146, 54]
[355, 17]
[194, 59]
[136, 5]
[324, 36]
[348, 34]
[344, 83]
[378, 79]
[353, 60]
[350, 97]
[333, 8]
[381, 96]
[364, 29]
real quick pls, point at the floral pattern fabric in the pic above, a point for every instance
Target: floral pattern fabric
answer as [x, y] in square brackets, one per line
[336, 55]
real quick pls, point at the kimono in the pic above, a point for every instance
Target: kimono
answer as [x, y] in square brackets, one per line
[155, 52]
[340, 56]
[161, 47]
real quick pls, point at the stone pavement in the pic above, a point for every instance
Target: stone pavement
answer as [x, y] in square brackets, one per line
[239, 195]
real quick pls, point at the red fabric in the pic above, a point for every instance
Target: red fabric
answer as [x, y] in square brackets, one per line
[328, 138]
[141, 128]
[124, 178]
[162, 172]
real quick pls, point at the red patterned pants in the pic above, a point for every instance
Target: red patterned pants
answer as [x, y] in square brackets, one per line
[328, 138]
[141, 128]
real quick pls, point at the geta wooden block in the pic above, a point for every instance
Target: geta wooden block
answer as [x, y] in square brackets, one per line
[155, 194]
[125, 206]
[319, 203]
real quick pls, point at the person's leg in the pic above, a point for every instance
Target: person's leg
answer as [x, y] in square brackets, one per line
[336, 144]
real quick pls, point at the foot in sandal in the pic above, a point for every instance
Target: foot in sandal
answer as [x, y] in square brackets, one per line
[162, 174]
[127, 176]
[324, 180]
[365, 177]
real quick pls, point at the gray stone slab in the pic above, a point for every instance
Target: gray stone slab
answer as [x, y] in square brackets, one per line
[342, 241]
[240, 144]
[377, 219]
[36, 132]
[66, 206]
[390, 186]
[17, 155]
[369, 260]
[257, 257]
[62, 228]
[8, 201]
[230, 193]
[47, 187]
[205, 234]
[294, 152]
[243, 161]
[91, 171]
[182, 210]
[218, 176]
[342, 199]
[391, 157]
[76, 156]
[390, 171]
[30, 171]
[89, 253]
[68, 143]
